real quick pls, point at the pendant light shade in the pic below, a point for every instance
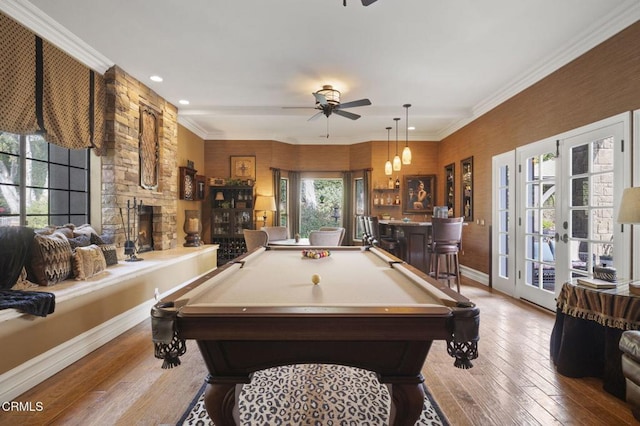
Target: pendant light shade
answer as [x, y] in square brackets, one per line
[397, 163]
[406, 152]
[387, 166]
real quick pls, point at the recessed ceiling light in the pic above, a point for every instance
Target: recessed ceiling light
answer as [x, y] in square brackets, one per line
[183, 102]
[411, 128]
[156, 78]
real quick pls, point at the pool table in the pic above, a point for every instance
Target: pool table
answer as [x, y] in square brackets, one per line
[369, 310]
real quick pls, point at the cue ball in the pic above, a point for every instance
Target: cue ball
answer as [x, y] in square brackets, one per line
[315, 278]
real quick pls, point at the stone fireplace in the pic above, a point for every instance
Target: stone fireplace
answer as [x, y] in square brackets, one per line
[121, 162]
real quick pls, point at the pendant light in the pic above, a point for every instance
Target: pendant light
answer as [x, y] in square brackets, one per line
[406, 152]
[397, 163]
[387, 166]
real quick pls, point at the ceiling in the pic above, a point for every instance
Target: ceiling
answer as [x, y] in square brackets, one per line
[243, 65]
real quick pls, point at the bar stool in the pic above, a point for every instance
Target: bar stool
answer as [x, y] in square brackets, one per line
[369, 241]
[361, 224]
[386, 243]
[446, 241]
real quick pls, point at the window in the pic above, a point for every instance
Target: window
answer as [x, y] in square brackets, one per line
[42, 183]
[320, 204]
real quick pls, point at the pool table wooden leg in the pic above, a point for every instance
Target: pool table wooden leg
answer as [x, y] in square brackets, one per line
[219, 400]
[408, 400]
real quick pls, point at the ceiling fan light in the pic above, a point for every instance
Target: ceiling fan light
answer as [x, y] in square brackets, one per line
[388, 169]
[331, 95]
[406, 155]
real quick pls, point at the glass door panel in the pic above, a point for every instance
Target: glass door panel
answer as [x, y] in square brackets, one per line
[503, 261]
[593, 235]
[536, 261]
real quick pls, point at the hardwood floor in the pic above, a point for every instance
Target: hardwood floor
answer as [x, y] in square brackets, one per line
[513, 381]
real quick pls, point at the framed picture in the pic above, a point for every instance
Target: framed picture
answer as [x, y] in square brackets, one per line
[449, 188]
[419, 193]
[466, 181]
[188, 186]
[243, 167]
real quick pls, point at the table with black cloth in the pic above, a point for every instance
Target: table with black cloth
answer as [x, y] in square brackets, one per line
[588, 327]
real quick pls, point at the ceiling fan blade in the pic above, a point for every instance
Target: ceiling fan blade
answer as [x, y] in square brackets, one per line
[367, 2]
[360, 102]
[346, 114]
[314, 116]
[320, 98]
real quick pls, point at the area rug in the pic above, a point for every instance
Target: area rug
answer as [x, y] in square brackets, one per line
[313, 394]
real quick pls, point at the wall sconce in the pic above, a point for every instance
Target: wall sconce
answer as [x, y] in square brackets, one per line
[406, 152]
[265, 203]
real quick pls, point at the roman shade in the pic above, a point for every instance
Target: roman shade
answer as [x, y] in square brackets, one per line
[46, 91]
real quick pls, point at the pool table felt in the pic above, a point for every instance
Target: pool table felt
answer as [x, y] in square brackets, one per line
[348, 278]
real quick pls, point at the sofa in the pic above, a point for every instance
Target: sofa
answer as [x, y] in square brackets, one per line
[46, 257]
[630, 347]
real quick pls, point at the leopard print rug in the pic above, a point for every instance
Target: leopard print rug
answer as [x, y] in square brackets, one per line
[313, 394]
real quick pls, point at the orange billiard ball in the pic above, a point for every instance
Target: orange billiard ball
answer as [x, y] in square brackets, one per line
[315, 279]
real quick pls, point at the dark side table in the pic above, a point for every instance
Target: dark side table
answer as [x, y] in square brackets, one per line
[588, 327]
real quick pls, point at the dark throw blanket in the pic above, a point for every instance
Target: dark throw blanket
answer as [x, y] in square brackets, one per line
[38, 303]
[15, 247]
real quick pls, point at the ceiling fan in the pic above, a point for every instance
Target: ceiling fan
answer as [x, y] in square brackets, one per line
[328, 102]
[364, 2]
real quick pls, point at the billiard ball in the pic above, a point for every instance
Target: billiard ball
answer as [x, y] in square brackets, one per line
[315, 278]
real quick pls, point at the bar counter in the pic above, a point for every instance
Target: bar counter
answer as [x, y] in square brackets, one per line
[413, 238]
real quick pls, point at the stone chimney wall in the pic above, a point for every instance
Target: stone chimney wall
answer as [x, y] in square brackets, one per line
[121, 164]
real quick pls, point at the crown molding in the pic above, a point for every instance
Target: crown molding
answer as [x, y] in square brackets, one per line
[606, 27]
[40, 23]
[193, 127]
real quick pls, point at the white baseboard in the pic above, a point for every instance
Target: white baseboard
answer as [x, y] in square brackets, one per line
[478, 276]
[33, 372]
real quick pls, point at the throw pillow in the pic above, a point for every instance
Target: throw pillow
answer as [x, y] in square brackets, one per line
[88, 261]
[85, 229]
[63, 230]
[23, 283]
[79, 241]
[97, 240]
[110, 254]
[50, 260]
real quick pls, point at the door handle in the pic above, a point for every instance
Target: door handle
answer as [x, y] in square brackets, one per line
[565, 238]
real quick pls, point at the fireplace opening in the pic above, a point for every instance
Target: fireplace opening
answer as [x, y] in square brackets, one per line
[145, 228]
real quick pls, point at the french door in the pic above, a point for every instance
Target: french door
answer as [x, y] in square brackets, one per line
[503, 248]
[537, 199]
[568, 190]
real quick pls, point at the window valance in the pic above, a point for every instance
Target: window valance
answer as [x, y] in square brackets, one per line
[44, 90]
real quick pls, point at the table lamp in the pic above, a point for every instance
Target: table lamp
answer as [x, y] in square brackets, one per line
[630, 213]
[264, 203]
[630, 206]
[219, 197]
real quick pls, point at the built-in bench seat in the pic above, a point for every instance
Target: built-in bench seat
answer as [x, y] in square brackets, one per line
[89, 313]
